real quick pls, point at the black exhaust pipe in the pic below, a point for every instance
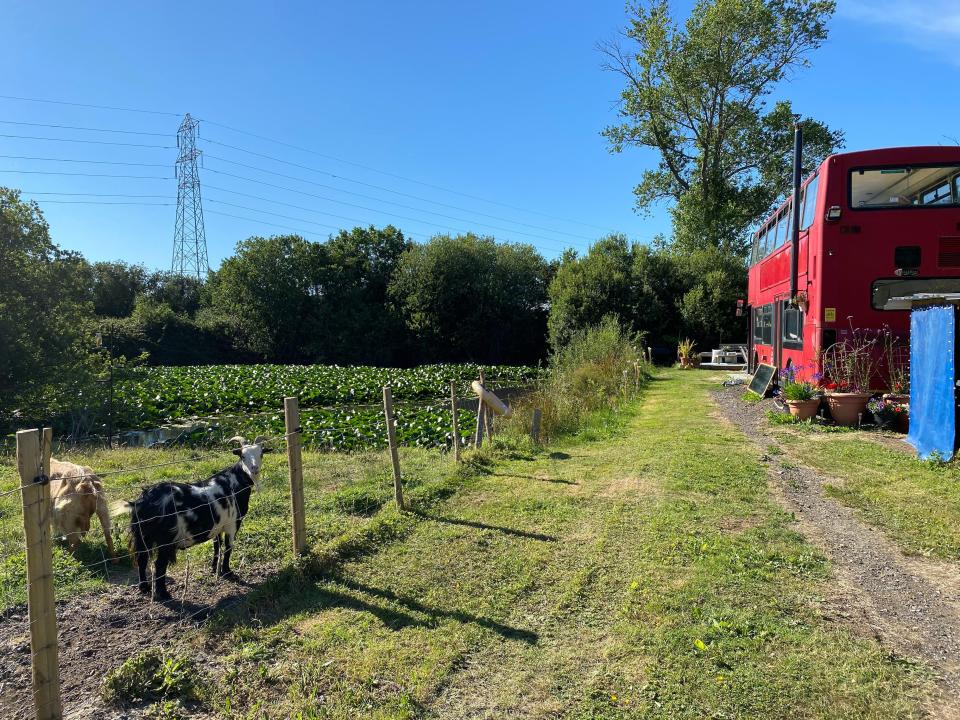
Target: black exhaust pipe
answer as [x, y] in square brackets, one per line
[795, 235]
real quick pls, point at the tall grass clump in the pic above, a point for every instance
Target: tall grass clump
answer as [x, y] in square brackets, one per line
[600, 367]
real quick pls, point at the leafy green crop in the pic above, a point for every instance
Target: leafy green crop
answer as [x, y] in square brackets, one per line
[340, 406]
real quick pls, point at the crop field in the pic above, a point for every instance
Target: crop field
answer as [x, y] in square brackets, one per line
[340, 406]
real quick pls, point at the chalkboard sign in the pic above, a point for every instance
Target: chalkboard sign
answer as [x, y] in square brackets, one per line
[762, 379]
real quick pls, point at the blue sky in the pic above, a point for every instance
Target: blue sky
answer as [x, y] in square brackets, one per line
[496, 101]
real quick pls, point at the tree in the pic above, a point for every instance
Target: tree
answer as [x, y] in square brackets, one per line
[115, 286]
[698, 95]
[585, 290]
[468, 298]
[360, 324]
[270, 292]
[181, 293]
[714, 281]
[47, 356]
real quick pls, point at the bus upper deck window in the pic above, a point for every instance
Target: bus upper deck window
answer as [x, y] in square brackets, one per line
[903, 187]
[809, 203]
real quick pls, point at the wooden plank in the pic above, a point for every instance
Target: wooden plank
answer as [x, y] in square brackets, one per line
[535, 426]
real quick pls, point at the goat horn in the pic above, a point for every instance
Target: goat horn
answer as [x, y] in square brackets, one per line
[260, 440]
[238, 438]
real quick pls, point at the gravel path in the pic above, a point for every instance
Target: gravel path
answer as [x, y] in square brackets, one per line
[910, 605]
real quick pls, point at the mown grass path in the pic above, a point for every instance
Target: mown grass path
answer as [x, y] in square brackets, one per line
[639, 570]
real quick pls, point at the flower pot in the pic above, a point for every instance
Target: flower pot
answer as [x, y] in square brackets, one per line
[846, 408]
[902, 423]
[684, 362]
[804, 409]
[896, 399]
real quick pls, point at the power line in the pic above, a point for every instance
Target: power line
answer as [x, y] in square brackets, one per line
[262, 222]
[108, 175]
[93, 162]
[364, 207]
[279, 215]
[90, 142]
[402, 177]
[97, 202]
[306, 209]
[121, 195]
[90, 129]
[312, 152]
[87, 105]
[386, 189]
[278, 202]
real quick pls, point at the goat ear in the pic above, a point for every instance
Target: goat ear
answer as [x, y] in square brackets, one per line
[237, 451]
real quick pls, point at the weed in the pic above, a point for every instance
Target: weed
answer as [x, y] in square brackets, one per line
[155, 674]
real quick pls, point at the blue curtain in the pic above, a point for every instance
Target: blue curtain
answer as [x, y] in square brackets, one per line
[932, 403]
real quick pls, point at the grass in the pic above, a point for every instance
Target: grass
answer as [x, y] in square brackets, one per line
[637, 569]
[640, 573]
[342, 494]
[916, 503]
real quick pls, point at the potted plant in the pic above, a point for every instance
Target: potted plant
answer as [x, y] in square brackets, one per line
[685, 352]
[801, 396]
[801, 301]
[848, 369]
[890, 415]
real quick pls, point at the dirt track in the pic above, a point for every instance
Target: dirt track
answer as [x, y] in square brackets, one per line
[910, 605]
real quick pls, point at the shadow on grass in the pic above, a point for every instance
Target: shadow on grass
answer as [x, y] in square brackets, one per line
[398, 619]
[295, 590]
[559, 456]
[484, 526]
[534, 477]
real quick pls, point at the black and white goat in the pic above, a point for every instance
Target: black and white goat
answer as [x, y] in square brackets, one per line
[172, 516]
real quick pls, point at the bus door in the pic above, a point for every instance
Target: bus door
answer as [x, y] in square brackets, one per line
[778, 329]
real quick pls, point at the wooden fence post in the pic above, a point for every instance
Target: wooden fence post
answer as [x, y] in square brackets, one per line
[291, 419]
[33, 462]
[392, 441]
[535, 426]
[456, 425]
[478, 440]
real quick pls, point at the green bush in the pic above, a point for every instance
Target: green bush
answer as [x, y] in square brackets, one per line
[596, 369]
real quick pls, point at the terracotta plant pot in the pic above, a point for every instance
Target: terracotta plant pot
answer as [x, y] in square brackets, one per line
[804, 409]
[846, 408]
[896, 399]
[684, 362]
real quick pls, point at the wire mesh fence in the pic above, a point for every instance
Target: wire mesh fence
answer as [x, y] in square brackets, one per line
[63, 577]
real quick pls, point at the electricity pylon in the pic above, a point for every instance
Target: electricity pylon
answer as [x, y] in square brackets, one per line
[189, 238]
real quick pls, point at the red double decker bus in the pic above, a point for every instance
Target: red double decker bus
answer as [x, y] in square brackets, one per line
[873, 225]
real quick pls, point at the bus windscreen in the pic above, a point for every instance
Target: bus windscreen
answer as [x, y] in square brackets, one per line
[911, 186]
[885, 289]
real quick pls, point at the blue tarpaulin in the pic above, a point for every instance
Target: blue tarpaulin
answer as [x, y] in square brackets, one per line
[932, 403]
